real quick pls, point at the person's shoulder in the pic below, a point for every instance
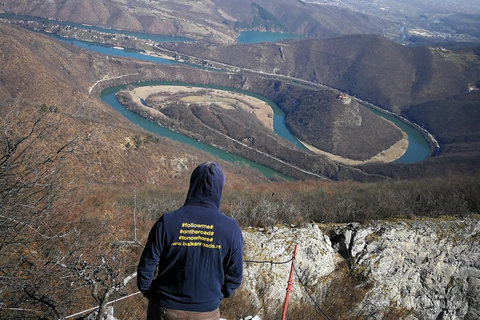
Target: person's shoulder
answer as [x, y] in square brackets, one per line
[230, 222]
[167, 216]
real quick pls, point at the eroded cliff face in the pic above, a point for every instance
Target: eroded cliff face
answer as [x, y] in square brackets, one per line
[415, 269]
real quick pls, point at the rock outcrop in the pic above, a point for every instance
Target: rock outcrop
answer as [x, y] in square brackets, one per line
[415, 269]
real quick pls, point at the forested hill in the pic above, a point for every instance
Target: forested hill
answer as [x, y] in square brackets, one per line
[214, 21]
[367, 66]
[435, 87]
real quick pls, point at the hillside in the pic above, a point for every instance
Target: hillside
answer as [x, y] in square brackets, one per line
[441, 117]
[38, 71]
[407, 81]
[212, 21]
[318, 117]
[357, 65]
[80, 188]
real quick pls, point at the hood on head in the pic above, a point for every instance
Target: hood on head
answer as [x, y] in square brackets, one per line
[206, 185]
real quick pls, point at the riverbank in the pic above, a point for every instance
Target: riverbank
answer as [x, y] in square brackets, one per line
[391, 154]
[157, 54]
[225, 99]
[262, 111]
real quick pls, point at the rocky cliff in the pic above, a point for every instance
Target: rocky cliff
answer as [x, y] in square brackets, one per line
[409, 269]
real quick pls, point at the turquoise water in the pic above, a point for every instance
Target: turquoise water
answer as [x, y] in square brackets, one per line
[418, 147]
[249, 37]
[140, 35]
[109, 50]
[403, 37]
[126, 53]
[108, 96]
[279, 127]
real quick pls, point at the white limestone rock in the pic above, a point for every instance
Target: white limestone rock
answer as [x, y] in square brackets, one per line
[316, 260]
[422, 269]
[428, 268]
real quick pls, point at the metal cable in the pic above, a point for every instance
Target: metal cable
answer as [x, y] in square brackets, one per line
[265, 262]
[309, 295]
[245, 261]
[299, 280]
[95, 308]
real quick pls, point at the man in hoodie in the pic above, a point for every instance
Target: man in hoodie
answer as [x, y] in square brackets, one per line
[195, 252]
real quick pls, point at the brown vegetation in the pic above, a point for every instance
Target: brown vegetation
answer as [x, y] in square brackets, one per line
[87, 237]
[222, 19]
[80, 187]
[298, 203]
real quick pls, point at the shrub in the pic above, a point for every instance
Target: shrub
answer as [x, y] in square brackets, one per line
[301, 202]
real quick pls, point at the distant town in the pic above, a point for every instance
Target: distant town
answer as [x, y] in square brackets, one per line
[425, 19]
[399, 10]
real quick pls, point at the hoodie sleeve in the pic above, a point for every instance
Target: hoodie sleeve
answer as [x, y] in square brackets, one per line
[233, 267]
[150, 257]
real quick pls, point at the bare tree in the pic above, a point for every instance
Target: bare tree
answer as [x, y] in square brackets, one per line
[54, 259]
[102, 272]
[31, 176]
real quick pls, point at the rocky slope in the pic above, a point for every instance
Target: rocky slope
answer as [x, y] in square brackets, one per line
[410, 269]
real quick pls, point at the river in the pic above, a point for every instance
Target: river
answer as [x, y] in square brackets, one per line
[417, 150]
[418, 147]
[108, 96]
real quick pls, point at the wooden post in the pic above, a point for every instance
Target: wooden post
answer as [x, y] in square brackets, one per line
[289, 286]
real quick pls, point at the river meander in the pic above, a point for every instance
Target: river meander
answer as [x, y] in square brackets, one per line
[417, 150]
[108, 96]
[418, 147]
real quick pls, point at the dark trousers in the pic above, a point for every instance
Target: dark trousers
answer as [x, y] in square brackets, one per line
[156, 312]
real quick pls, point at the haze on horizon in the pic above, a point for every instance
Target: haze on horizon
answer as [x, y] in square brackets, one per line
[407, 7]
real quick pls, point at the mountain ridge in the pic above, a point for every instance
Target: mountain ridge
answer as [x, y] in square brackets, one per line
[355, 65]
[391, 76]
[215, 21]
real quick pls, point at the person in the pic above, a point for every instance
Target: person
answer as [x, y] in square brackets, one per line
[195, 253]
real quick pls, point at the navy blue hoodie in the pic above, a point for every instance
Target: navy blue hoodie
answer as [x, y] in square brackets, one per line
[198, 250]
